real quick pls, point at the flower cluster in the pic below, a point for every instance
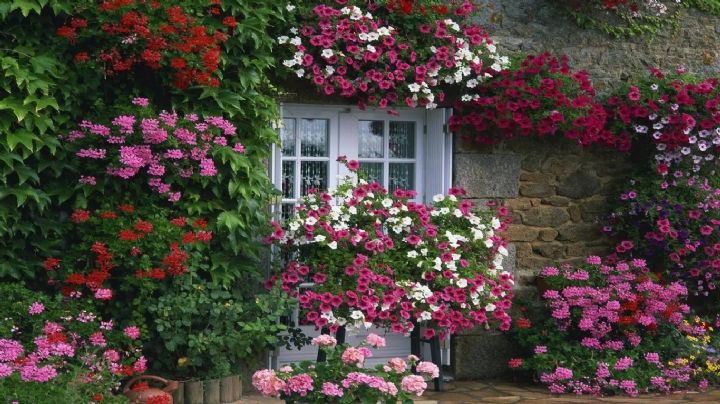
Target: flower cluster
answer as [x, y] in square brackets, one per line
[177, 37]
[343, 378]
[354, 50]
[381, 258]
[122, 250]
[166, 148]
[670, 213]
[609, 329]
[542, 96]
[50, 340]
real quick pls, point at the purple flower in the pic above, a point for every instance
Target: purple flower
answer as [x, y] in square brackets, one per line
[36, 308]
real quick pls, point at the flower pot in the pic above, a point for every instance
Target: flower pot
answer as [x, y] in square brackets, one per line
[141, 396]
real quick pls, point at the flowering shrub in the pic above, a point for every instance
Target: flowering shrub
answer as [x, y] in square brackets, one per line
[379, 257]
[182, 38]
[126, 252]
[542, 96]
[164, 148]
[387, 53]
[670, 212]
[343, 377]
[609, 329]
[49, 344]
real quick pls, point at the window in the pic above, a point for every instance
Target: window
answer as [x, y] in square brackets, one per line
[409, 151]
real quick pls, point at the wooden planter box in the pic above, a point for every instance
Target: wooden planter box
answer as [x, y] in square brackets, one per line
[226, 390]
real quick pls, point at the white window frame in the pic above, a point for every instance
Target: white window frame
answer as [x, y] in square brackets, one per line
[433, 154]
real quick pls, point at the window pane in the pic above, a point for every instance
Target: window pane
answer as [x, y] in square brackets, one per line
[287, 137]
[313, 137]
[288, 179]
[402, 140]
[374, 171]
[288, 209]
[371, 142]
[402, 175]
[313, 174]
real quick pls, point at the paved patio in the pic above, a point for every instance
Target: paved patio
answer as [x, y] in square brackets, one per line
[505, 392]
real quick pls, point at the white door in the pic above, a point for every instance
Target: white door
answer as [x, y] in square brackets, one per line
[408, 151]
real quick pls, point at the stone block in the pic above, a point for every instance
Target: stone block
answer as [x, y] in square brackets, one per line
[557, 200]
[593, 209]
[548, 234]
[578, 232]
[535, 176]
[516, 232]
[584, 250]
[488, 175]
[481, 355]
[578, 185]
[518, 204]
[545, 216]
[536, 190]
[549, 250]
[575, 213]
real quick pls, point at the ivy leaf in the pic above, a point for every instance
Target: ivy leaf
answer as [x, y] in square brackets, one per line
[16, 106]
[25, 6]
[23, 137]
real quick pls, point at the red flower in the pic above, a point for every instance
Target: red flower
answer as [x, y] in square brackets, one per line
[80, 216]
[128, 235]
[143, 226]
[127, 208]
[523, 322]
[178, 63]
[179, 221]
[67, 33]
[97, 397]
[75, 279]
[108, 215]
[204, 236]
[81, 57]
[188, 238]
[230, 21]
[201, 223]
[51, 263]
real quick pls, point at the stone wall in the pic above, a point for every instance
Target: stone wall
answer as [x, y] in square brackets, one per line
[555, 189]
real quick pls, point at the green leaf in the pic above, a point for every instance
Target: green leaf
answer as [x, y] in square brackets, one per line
[23, 137]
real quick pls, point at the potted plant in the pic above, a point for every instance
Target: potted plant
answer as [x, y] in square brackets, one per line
[343, 378]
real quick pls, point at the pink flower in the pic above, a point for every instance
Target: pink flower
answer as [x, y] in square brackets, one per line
[103, 294]
[5, 370]
[10, 350]
[36, 308]
[414, 384]
[332, 390]
[353, 356]
[428, 368]
[111, 355]
[324, 340]
[143, 102]
[132, 332]
[353, 165]
[267, 383]
[239, 148]
[140, 365]
[376, 341]
[98, 339]
[398, 365]
[300, 384]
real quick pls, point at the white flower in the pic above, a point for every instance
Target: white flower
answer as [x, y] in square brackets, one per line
[426, 315]
[490, 307]
[357, 315]
[333, 245]
[412, 254]
[300, 72]
[414, 87]
[495, 223]
[503, 251]
[327, 53]
[320, 238]
[290, 7]
[371, 49]
[438, 198]
[283, 39]
[296, 41]
[462, 283]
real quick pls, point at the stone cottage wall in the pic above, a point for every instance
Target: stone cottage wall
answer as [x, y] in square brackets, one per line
[556, 190]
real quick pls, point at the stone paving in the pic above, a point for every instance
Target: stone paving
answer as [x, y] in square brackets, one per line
[506, 392]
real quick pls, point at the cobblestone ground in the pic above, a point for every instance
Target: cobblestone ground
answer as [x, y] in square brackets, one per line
[505, 392]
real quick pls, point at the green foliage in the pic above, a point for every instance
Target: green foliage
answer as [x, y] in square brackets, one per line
[39, 95]
[203, 330]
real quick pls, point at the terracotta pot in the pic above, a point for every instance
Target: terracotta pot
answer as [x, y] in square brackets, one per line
[141, 396]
